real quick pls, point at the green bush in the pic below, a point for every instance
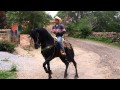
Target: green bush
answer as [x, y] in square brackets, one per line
[83, 27]
[7, 46]
[71, 28]
[77, 35]
[85, 32]
[13, 68]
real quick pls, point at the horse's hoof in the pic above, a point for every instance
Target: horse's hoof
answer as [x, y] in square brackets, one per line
[47, 72]
[49, 77]
[65, 76]
[76, 76]
[51, 72]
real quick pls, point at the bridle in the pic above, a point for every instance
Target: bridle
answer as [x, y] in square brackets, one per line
[37, 43]
[48, 47]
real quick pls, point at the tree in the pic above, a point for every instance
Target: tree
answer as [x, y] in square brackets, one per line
[102, 20]
[105, 21]
[72, 16]
[2, 19]
[32, 19]
[84, 22]
[48, 16]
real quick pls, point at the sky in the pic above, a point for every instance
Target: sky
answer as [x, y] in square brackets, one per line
[52, 13]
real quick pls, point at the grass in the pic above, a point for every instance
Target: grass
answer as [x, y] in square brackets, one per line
[9, 74]
[99, 39]
[104, 40]
[116, 44]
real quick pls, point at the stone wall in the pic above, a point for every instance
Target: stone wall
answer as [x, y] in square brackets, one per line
[5, 35]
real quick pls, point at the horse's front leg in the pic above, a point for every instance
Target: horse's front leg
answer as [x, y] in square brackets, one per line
[49, 71]
[44, 66]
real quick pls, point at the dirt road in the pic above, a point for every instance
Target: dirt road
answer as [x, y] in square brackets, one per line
[108, 64]
[94, 60]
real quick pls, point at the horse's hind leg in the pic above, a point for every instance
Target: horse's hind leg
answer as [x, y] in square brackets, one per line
[75, 65]
[65, 74]
[67, 64]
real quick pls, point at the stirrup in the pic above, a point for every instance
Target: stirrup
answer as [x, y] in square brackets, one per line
[62, 52]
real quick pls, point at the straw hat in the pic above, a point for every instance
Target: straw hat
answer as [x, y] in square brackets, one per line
[58, 18]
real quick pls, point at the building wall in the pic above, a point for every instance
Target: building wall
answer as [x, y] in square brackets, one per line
[25, 41]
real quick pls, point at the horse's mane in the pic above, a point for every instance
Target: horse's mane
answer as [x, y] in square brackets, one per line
[43, 33]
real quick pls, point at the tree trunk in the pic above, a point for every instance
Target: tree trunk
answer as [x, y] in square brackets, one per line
[2, 19]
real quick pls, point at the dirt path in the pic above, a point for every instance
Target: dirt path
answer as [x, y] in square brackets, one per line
[95, 61]
[108, 64]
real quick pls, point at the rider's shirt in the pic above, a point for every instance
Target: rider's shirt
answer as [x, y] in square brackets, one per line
[60, 28]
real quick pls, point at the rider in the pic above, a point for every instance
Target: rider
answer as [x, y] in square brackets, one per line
[58, 29]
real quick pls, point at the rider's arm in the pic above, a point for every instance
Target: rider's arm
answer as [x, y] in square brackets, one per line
[53, 30]
[62, 31]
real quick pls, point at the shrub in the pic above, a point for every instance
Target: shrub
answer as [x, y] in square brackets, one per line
[77, 35]
[13, 68]
[85, 32]
[7, 46]
[83, 27]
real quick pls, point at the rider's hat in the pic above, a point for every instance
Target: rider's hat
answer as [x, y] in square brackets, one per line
[58, 18]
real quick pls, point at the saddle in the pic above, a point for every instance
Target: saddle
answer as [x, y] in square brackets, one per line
[65, 43]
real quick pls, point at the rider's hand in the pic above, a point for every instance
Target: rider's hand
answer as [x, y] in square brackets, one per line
[54, 31]
[59, 31]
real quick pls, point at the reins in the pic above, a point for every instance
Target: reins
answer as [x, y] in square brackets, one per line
[48, 47]
[50, 57]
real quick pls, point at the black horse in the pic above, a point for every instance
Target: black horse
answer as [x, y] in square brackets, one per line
[50, 49]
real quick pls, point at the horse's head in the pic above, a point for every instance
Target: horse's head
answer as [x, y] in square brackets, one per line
[41, 37]
[36, 37]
